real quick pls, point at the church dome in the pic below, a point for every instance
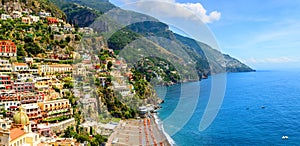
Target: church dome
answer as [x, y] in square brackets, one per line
[21, 117]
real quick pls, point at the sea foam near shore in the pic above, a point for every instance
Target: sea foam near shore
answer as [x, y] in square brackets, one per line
[161, 127]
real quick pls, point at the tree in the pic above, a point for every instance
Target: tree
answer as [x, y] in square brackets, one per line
[69, 132]
[20, 51]
[68, 39]
[68, 85]
[82, 138]
[109, 65]
[98, 140]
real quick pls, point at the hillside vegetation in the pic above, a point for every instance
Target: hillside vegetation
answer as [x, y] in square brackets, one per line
[76, 14]
[32, 6]
[34, 39]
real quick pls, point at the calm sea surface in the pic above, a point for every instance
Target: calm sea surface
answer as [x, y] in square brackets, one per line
[241, 119]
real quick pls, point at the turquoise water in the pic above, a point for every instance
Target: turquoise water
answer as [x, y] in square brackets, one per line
[241, 119]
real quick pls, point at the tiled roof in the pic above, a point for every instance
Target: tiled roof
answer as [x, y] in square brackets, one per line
[15, 133]
[20, 64]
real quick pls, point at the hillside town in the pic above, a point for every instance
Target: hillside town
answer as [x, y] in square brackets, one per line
[40, 94]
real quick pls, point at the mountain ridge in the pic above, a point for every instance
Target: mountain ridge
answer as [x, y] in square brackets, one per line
[141, 25]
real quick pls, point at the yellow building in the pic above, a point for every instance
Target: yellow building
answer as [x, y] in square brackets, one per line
[64, 142]
[44, 85]
[52, 110]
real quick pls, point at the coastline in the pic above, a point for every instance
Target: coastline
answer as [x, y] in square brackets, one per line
[146, 131]
[160, 126]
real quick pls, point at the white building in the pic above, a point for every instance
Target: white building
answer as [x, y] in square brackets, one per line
[10, 105]
[17, 14]
[86, 30]
[19, 67]
[5, 17]
[45, 14]
[55, 68]
[79, 69]
[34, 18]
[68, 27]
[5, 66]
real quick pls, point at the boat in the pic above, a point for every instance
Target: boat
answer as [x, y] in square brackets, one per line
[284, 137]
[204, 77]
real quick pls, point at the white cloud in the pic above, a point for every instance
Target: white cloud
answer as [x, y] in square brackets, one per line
[199, 10]
[171, 8]
[276, 60]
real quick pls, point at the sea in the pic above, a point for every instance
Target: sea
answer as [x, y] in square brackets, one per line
[258, 108]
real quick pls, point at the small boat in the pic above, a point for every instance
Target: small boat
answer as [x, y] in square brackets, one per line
[263, 107]
[284, 137]
[204, 76]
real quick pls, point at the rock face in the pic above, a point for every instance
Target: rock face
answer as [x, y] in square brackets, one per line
[234, 65]
[76, 14]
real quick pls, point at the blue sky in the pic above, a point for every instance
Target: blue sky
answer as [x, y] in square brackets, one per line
[264, 34]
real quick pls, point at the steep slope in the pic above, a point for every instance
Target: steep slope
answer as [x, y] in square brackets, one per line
[215, 57]
[121, 28]
[32, 6]
[99, 5]
[76, 14]
[35, 38]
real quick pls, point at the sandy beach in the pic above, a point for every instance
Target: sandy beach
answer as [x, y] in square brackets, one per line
[142, 132]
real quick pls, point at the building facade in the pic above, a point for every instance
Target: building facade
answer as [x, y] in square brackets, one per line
[8, 48]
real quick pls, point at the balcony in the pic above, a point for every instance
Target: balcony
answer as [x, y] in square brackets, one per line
[56, 112]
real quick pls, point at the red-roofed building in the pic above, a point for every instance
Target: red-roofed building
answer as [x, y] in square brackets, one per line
[19, 137]
[52, 20]
[16, 133]
[7, 48]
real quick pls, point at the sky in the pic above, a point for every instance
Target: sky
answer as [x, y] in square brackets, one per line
[264, 34]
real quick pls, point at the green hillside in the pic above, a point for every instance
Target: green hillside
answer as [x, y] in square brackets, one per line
[35, 38]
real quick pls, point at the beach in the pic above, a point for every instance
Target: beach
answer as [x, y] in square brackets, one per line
[142, 132]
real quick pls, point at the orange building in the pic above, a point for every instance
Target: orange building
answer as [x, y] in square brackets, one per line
[7, 48]
[52, 20]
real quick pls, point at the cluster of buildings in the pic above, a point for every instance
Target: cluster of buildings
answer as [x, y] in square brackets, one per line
[62, 29]
[31, 103]
[121, 76]
[29, 19]
[32, 108]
